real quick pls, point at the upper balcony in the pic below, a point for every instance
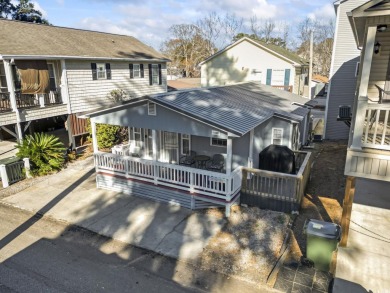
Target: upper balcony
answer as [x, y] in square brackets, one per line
[25, 101]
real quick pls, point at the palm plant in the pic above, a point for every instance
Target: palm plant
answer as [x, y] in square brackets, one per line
[46, 153]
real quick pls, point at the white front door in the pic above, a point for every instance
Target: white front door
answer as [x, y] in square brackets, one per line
[169, 147]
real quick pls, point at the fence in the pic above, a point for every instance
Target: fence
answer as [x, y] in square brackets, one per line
[14, 172]
[276, 191]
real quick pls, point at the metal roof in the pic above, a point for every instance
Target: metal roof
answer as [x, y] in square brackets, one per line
[235, 108]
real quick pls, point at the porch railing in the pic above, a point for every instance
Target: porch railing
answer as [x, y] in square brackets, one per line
[274, 190]
[5, 104]
[37, 100]
[376, 131]
[200, 181]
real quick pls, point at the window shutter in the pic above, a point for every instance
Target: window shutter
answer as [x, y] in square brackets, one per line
[159, 74]
[150, 74]
[94, 71]
[131, 67]
[141, 68]
[108, 70]
[269, 76]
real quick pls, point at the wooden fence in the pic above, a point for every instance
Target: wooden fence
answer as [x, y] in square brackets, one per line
[276, 191]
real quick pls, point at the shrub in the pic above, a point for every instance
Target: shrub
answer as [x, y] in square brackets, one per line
[46, 153]
[107, 135]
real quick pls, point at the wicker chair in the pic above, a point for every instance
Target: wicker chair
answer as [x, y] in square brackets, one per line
[188, 160]
[217, 163]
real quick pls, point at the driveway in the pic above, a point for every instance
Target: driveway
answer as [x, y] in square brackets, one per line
[72, 196]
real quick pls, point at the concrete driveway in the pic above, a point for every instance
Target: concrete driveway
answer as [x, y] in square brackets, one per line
[72, 196]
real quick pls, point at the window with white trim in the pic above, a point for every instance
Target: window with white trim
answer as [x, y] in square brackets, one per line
[185, 144]
[155, 74]
[136, 70]
[152, 109]
[137, 137]
[101, 71]
[277, 136]
[216, 139]
[52, 77]
[3, 79]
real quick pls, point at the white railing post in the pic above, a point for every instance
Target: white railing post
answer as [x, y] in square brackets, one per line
[27, 167]
[94, 137]
[10, 84]
[4, 176]
[192, 182]
[229, 154]
[361, 105]
[41, 98]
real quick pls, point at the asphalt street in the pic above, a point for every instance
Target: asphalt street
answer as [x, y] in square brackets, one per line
[43, 255]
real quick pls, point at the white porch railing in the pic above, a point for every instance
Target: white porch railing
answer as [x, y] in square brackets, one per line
[376, 131]
[200, 181]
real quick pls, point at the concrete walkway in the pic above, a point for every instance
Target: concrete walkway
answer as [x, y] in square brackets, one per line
[364, 265]
[72, 196]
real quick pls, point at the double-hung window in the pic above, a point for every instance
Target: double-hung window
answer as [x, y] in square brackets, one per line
[101, 70]
[155, 74]
[185, 144]
[52, 77]
[136, 70]
[277, 136]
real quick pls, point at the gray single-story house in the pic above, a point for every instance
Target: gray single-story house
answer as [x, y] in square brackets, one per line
[188, 147]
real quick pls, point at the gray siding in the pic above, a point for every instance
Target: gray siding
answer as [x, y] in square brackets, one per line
[166, 120]
[342, 84]
[39, 113]
[240, 151]
[87, 94]
[263, 136]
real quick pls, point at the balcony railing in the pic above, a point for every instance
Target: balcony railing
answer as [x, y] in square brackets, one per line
[376, 131]
[37, 100]
[5, 104]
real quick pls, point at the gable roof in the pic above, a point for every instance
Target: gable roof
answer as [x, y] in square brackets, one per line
[235, 108]
[26, 39]
[278, 51]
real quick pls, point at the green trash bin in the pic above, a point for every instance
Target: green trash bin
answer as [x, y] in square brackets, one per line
[322, 240]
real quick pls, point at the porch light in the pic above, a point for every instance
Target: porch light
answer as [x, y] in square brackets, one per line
[381, 28]
[377, 47]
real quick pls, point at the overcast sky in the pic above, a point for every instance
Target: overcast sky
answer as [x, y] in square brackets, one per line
[149, 20]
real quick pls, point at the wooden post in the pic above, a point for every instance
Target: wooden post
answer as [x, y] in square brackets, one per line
[10, 84]
[27, 167]
[94, 137]
[251, 141]
[229, 151]
[4, 176]
[347, 210]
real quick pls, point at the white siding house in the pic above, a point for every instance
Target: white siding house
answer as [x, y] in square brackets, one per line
[343, 71]
[79, 75]
[253, 60]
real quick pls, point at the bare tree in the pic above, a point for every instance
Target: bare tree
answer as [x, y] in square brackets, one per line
[210, 28]
[263, 29]
[232, 25]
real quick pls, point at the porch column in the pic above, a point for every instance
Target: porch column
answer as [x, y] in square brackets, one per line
[229, 151]
[10, 84]
[94, 137]
[251, 140]
[154, 144]
[361, 105]
[64, 86]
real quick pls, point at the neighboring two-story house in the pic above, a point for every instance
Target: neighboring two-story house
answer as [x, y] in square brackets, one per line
[343, 73]
[364, 259]
[254, 60]
[50, 73]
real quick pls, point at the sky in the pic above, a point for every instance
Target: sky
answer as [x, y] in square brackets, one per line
[150, 20]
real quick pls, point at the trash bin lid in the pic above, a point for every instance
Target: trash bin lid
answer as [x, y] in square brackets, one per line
[323, 229]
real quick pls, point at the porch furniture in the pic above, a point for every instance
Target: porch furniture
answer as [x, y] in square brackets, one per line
[120, 149]
[217, 163]
[201, 161]
[188, 160]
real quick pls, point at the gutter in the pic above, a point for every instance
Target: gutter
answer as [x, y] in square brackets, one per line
[55, 57]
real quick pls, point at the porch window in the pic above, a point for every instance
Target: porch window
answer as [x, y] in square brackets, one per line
[216, 139]
[3, 79]
[277, 136]
[137, 136]
[185, 144]
[151, 108]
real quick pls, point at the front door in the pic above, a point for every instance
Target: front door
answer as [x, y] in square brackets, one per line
[169, 147]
